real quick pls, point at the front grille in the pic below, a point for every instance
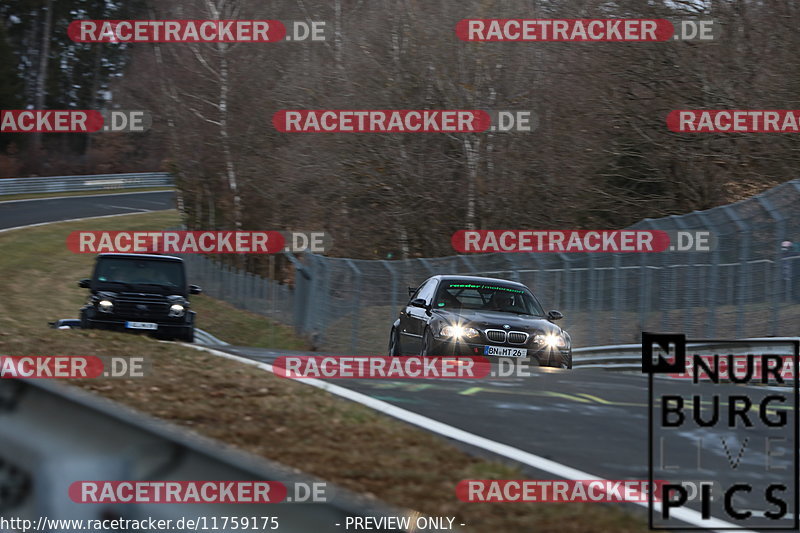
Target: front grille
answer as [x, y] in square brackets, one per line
[517, 337]
[496, 335]
[141, 306]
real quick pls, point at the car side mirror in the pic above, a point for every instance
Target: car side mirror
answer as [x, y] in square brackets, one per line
[84, 283]
[419, 302]
[194, 289]
[554, 315]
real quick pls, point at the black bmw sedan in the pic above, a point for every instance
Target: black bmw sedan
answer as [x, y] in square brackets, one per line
[467, 315]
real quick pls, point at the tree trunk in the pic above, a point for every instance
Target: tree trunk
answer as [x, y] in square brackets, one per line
[41, 81]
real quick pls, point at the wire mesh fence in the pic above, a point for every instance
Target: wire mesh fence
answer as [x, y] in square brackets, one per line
[747, 286]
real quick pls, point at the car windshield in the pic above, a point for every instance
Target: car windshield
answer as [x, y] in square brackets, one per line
[487, 297]
[129, 272]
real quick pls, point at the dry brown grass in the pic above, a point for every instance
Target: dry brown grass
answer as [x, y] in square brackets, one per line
[285, 421]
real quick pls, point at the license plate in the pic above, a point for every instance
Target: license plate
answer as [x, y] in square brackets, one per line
[504, 351]
[141, 325]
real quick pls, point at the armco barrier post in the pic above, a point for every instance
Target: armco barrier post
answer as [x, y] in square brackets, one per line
[616, 298]
[247, 290]
[228, 285]
[262, 293]
[592, 315]
[356, 307]
[231, 275]
[302, 289]
[393, 288]
[321, 295]
[568, 287]
[241, 283]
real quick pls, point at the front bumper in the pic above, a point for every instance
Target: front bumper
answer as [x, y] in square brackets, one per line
[542, 356]
[164, 328]
[169, 327]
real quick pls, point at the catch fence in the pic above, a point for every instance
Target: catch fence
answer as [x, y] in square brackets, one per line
[747, 286]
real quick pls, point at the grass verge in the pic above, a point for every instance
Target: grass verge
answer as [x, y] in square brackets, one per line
[244, 328]
[297, 425]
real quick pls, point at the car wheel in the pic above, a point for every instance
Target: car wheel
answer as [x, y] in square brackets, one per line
[394, 344]
[84, 320]
[545, 358]
[188, 336]
[566, 361]
[427, 343]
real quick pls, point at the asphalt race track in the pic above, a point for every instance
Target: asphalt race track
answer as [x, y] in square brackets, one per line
[588, 419]
[25, 212]
[592, 420]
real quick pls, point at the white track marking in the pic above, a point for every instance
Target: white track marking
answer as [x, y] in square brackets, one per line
[687, 515]
[540, 463]
[124, 207]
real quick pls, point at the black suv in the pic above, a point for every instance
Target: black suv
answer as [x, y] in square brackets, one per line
[142, 293]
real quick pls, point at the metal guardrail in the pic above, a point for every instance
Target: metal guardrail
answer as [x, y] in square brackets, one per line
[53, 435]
[48, 184]
[628, 357]
[204, 337]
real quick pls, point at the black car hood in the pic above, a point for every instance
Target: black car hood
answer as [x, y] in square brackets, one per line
[494, 319]
[134, 289]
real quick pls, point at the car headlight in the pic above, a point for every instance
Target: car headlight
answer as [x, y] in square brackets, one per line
[176, 310]
[105, 306]
[458, 332]
[551, 340]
